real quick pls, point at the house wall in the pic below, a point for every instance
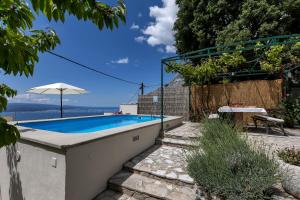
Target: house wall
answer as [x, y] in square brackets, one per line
[32, 177]
[129, 109]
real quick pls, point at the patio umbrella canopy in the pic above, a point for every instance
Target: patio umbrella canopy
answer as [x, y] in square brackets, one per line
[58, 89]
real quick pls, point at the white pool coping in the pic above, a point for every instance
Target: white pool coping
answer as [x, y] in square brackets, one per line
[62, 141]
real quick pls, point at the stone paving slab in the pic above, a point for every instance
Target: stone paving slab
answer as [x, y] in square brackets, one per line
[111, 195]
[276, 142]
[188, 130]
[162, 161]
[152, 187]
[177, 142]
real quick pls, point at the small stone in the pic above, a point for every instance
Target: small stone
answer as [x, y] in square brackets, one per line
[186, 178]
[171, 175]
[148, 161]
[170, 187]
[169, 161]
[178, 170]
[160, 173]
[165, 156]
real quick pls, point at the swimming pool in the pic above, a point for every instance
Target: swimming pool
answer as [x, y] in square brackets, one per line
[88, 125]
[69, 154]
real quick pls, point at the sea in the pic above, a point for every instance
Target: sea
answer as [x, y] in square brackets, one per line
[24, 111]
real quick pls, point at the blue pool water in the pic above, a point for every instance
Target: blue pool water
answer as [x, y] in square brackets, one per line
[88, 125]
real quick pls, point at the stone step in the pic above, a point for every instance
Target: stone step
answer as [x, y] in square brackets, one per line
[146, 187]
[186, 131]
[112, 195]
[175, 142]
[162, 162]
[179, 137]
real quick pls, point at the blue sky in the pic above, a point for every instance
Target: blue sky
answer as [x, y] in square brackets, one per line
[133, 51]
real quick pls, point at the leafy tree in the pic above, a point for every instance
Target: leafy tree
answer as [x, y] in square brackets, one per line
[206, 23]
[20, 44]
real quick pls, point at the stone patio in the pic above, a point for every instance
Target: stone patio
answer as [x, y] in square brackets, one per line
[188, 130]
[160, 172]
[275, 139]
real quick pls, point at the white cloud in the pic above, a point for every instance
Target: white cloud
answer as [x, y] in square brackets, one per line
[121, 61]
[170, 49]
[134, 26]
[30, 98]
[161, 31]
[140, 15]
[140, 39]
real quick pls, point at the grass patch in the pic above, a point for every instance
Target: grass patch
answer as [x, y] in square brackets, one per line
[224, 164]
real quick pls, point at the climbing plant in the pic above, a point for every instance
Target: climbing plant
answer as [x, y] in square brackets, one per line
[277, 57]
[272, 59]
[206, 70]
[20, 44]
[221, 68]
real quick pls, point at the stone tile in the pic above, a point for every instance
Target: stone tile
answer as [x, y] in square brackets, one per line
[111, 195]
[186, 178]
[276, 142]
[177, 142]
[153, 187]
[166, 162]
[187, 131]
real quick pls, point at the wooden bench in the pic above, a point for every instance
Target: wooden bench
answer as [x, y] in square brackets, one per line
[269, 121]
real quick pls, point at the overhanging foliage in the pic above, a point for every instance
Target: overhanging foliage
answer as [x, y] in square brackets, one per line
[20, 44]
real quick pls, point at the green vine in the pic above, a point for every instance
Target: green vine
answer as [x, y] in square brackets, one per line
[273, 59]
[208, 69]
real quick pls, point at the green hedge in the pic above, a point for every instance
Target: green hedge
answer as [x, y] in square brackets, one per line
[224, 164]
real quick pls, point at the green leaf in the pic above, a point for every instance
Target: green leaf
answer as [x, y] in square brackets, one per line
[20, 45]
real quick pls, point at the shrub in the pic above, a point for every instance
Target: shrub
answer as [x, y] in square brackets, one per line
[224, 164]
[291, 111]
[290, 155]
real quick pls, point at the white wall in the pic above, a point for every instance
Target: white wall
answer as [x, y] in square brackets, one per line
[129, 109]
[33, 177]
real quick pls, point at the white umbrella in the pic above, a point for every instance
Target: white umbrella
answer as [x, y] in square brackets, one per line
[59, 89]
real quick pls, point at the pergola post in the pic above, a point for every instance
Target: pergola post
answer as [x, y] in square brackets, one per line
[61, 103]
[161, 134]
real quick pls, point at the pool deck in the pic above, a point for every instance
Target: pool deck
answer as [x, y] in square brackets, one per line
[61, 141]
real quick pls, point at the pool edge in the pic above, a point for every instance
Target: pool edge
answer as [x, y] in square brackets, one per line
[64, 141]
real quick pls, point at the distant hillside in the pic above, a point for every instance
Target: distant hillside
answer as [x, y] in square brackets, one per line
[23, 107]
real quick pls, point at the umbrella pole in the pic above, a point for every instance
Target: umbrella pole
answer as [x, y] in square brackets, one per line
[61, 106]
